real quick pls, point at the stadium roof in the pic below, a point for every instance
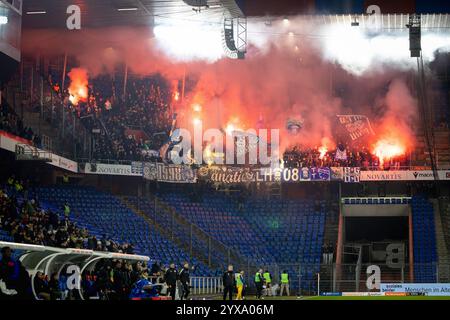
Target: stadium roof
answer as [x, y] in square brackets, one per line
[101, 13]
[386, 22]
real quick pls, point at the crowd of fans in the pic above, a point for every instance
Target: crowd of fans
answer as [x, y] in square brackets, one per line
[132, 123]
[124, 126]
[146, 110]
[27, 222]
[342, 156]
[12, 123]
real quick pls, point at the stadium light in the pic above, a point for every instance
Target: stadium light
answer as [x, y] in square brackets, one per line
[36, 12]
[128, 9]
[355, 22]
[196, 121]
[3, 20]
[196, 107]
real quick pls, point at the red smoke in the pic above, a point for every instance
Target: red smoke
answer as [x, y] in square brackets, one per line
[283, 81]
[78, 88]
[395, 135]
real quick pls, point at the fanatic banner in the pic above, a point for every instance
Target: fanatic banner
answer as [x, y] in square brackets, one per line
[234, 175]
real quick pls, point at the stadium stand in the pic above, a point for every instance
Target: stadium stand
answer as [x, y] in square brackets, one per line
[425, 257]
[104, 214]
[271, 233]
[293, 230]
[220, 218]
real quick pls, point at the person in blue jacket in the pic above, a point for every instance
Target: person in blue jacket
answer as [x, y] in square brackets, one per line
[143, 288]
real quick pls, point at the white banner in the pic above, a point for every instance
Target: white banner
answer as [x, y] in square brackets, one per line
[64, 163]
[9, 142]
[109, 169]
[430, 289]
[169, 173]
[418, 175]
[444, 175]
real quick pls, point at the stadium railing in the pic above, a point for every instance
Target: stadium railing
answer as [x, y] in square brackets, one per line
[206, 285]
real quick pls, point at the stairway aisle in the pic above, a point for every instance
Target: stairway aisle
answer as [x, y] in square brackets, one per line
[441, 246]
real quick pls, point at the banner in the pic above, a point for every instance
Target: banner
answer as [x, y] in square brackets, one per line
[337, 173]
[64, 163]
[351, 175]
[305, 174]
[384, 176]
[357, 126]
[430, 289]
[341, 154]
[169, 173]
[234, 175]
[8, 141]
[398, 175]
[108, 169]
[428, 175]
[444, 175]
[231, 175]
[320, 174]
[150, 153]
[137, 168]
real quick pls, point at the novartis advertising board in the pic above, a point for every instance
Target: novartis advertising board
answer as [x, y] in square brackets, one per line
[403, 175]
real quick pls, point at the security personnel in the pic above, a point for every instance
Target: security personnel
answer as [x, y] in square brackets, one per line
[10, 181]
[259, 281]
[239, 284]
[229, 283]
[18, 186]
[66, 210]
[284, 283]
[268, 282]
[65, 179]
[185, 281]
[171, 280]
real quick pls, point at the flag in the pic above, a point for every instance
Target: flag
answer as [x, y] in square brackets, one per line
[340, 154]
[357, 126]
[108, 105]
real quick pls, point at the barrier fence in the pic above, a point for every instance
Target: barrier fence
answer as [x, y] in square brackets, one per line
[206, 285]
[307, 280]
[312, 279]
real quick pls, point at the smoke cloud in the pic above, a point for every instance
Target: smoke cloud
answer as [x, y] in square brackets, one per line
[292, 70]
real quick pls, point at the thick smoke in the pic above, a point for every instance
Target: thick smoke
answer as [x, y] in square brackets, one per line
[292, 70]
